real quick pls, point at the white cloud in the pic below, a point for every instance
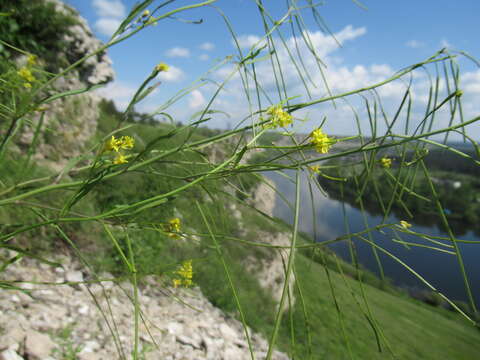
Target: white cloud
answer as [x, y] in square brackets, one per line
[173, 74]
[196, 99]
[109, 8]
[207, 46]
[471, 82]
[120, 92]
[110, 13]
[414, 44]
[325, 44]
[247, 41]
[178, 52]
[444, 43]
[107, 26]
[341, 77]
[204, 57]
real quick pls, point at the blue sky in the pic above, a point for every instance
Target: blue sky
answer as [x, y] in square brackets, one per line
[376, 42]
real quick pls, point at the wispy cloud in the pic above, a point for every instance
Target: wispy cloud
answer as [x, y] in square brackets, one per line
[109, 8]
[107, 26]
[196, 100]
[207, 46]
[414, 44]
[340, 78]
[173, 74]
[109, 13]
[178, 52]
[445, 43]
[204, 57]
[120, 92]
[248, 40]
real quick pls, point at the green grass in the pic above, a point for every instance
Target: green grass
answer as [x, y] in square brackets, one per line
[413, 329]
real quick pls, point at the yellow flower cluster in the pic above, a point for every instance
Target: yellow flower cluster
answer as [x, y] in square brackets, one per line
[278, 117]
[315, 169]
[405, 224]
[185, 273]
[114, 144]
[386, 162]
[173, 228]
[321, 141]
[26, 73]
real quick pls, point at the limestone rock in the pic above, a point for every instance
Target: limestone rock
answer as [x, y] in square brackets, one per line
[71, 121]
[172, 330]
[10, 354]
[74, 276]
[37, 345]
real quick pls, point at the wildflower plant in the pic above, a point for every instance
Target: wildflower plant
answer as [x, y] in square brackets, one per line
[321, 141]
[116, 146]
[184, 275]
[200, 173]
[278, 117]
[386, 162]
[173, 228]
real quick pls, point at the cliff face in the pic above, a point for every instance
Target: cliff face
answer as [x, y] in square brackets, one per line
[271, 270]
[71, 121]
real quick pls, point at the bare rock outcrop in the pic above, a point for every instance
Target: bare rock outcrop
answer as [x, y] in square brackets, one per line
[69, 122]
[96, 321]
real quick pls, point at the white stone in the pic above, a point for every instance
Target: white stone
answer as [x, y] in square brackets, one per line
[12, 338]
[74, 276]
[83, 310]
[37, 345]
[233, 353]
[90, 346]
[228, 333]
[175, 328]
[10, 354]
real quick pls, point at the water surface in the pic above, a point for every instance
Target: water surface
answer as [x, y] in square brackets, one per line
[323, 219]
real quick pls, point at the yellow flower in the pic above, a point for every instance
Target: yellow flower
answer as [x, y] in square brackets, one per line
[32, 60]
[386, 162]
[173, 228]
[27, 85]
[146, 13]
[120, 159]
[174, 224]
[405, 224]
[162, 67]
[126, 142]
[279, 117]
[26, 74]
[315, 169]
[113, 144]
[185, 272]
[321, 141]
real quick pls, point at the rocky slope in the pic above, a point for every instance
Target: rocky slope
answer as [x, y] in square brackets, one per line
[59, 315]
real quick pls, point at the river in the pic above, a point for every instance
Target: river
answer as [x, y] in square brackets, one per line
[440, 269]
